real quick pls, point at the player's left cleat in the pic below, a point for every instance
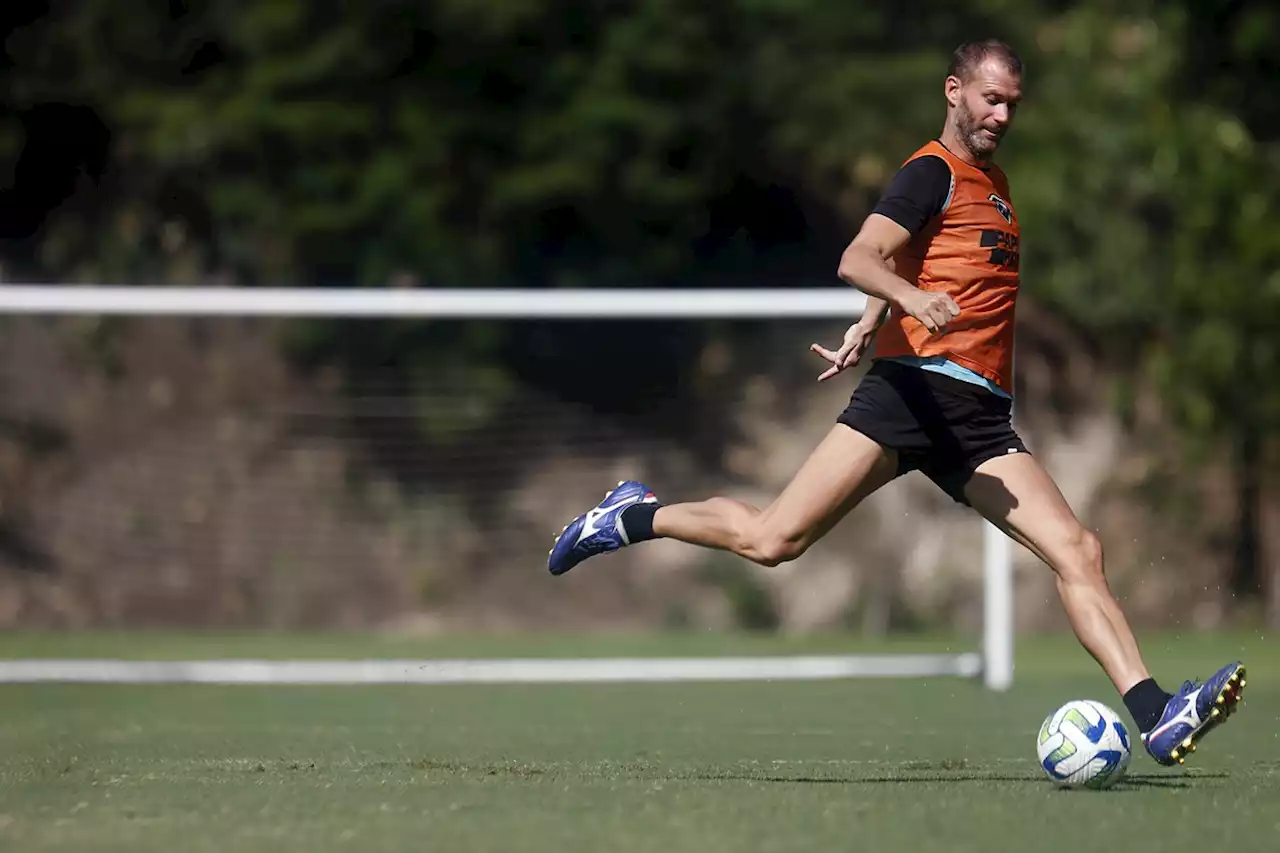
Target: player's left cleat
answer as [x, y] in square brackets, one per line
[1193, 712]
[599, 530]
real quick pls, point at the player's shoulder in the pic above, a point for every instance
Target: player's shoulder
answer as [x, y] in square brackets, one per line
[932, 155]
[927, 167]
[930, 164]
[920, 191]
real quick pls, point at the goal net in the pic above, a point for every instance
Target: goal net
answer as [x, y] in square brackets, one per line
[400, 460]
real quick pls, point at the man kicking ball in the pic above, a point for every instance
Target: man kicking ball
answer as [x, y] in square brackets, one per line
[938, 259]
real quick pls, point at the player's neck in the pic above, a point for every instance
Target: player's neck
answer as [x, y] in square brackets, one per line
[953, 142]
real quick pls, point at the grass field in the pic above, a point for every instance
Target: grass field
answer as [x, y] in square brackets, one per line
[915, 765]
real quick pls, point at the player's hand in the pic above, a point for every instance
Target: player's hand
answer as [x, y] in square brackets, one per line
[856, 342]
[934, 310]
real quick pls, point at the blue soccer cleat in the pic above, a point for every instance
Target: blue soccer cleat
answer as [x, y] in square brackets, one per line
[599, 530]
[1193, 712]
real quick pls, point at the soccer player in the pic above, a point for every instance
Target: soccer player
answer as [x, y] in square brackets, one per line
[938, 260]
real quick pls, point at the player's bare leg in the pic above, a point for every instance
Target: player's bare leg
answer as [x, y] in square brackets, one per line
[841, 472]
[1017, 495]
[844, 468]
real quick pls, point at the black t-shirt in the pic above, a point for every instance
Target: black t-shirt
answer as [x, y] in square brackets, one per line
[916, 194]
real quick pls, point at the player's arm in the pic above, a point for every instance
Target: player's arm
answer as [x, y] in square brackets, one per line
[857, 340]
[920, 191]
[873, 316]
[865, 264]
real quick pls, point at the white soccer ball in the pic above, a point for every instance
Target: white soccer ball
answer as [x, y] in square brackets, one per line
[1084, 744]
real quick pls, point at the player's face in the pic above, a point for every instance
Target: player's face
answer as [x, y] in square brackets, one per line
[985, 105]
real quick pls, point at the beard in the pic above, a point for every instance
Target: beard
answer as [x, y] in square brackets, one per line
[978, 140]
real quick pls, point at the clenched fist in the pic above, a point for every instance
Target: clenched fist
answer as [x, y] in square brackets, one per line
[934, 310]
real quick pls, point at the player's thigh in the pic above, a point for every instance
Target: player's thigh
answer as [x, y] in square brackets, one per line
[843, 470]
[1017, 494]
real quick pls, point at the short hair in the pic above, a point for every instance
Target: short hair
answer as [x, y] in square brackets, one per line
[968, 56]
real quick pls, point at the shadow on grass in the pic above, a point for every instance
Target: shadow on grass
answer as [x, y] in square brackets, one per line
[909, 773]
[1130, 783]
[864, 780]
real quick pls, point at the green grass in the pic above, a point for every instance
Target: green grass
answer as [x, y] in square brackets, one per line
[877, 765]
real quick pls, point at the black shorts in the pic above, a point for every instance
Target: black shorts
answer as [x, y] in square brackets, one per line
[939, 425]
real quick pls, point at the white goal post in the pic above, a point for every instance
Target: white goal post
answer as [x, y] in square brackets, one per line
[994, 662]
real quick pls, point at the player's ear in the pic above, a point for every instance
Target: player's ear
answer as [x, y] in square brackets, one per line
[951, 89]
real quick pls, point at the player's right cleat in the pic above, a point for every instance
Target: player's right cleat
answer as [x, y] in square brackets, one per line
[1193, 712]
[598, 530]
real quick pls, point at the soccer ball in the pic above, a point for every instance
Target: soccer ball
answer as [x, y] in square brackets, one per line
[1083, 744]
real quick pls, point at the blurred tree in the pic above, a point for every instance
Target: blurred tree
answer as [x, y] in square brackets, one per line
[459, 143]
[1161, 210]
[1231, 47]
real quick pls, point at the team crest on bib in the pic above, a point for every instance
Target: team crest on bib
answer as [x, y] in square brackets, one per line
[1003, 206]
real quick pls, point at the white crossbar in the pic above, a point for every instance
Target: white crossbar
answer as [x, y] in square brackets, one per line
[618, 304]
[533, 671]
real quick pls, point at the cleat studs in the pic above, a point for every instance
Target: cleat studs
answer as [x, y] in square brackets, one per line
[1243, 682]
[1182, 761]
[1187, 744]
[1222, 700]
[1176, 756]
[1217, 712]
[1191, 748]
[620, 482]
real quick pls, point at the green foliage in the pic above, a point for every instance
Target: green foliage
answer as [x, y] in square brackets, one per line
[1151, 216]
[565, 143]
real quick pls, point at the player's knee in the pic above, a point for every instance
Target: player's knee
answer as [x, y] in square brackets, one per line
[1084, 556]
[771, 549]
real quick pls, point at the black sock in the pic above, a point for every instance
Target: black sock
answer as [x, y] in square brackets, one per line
[637, 522]
[1146, 701]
